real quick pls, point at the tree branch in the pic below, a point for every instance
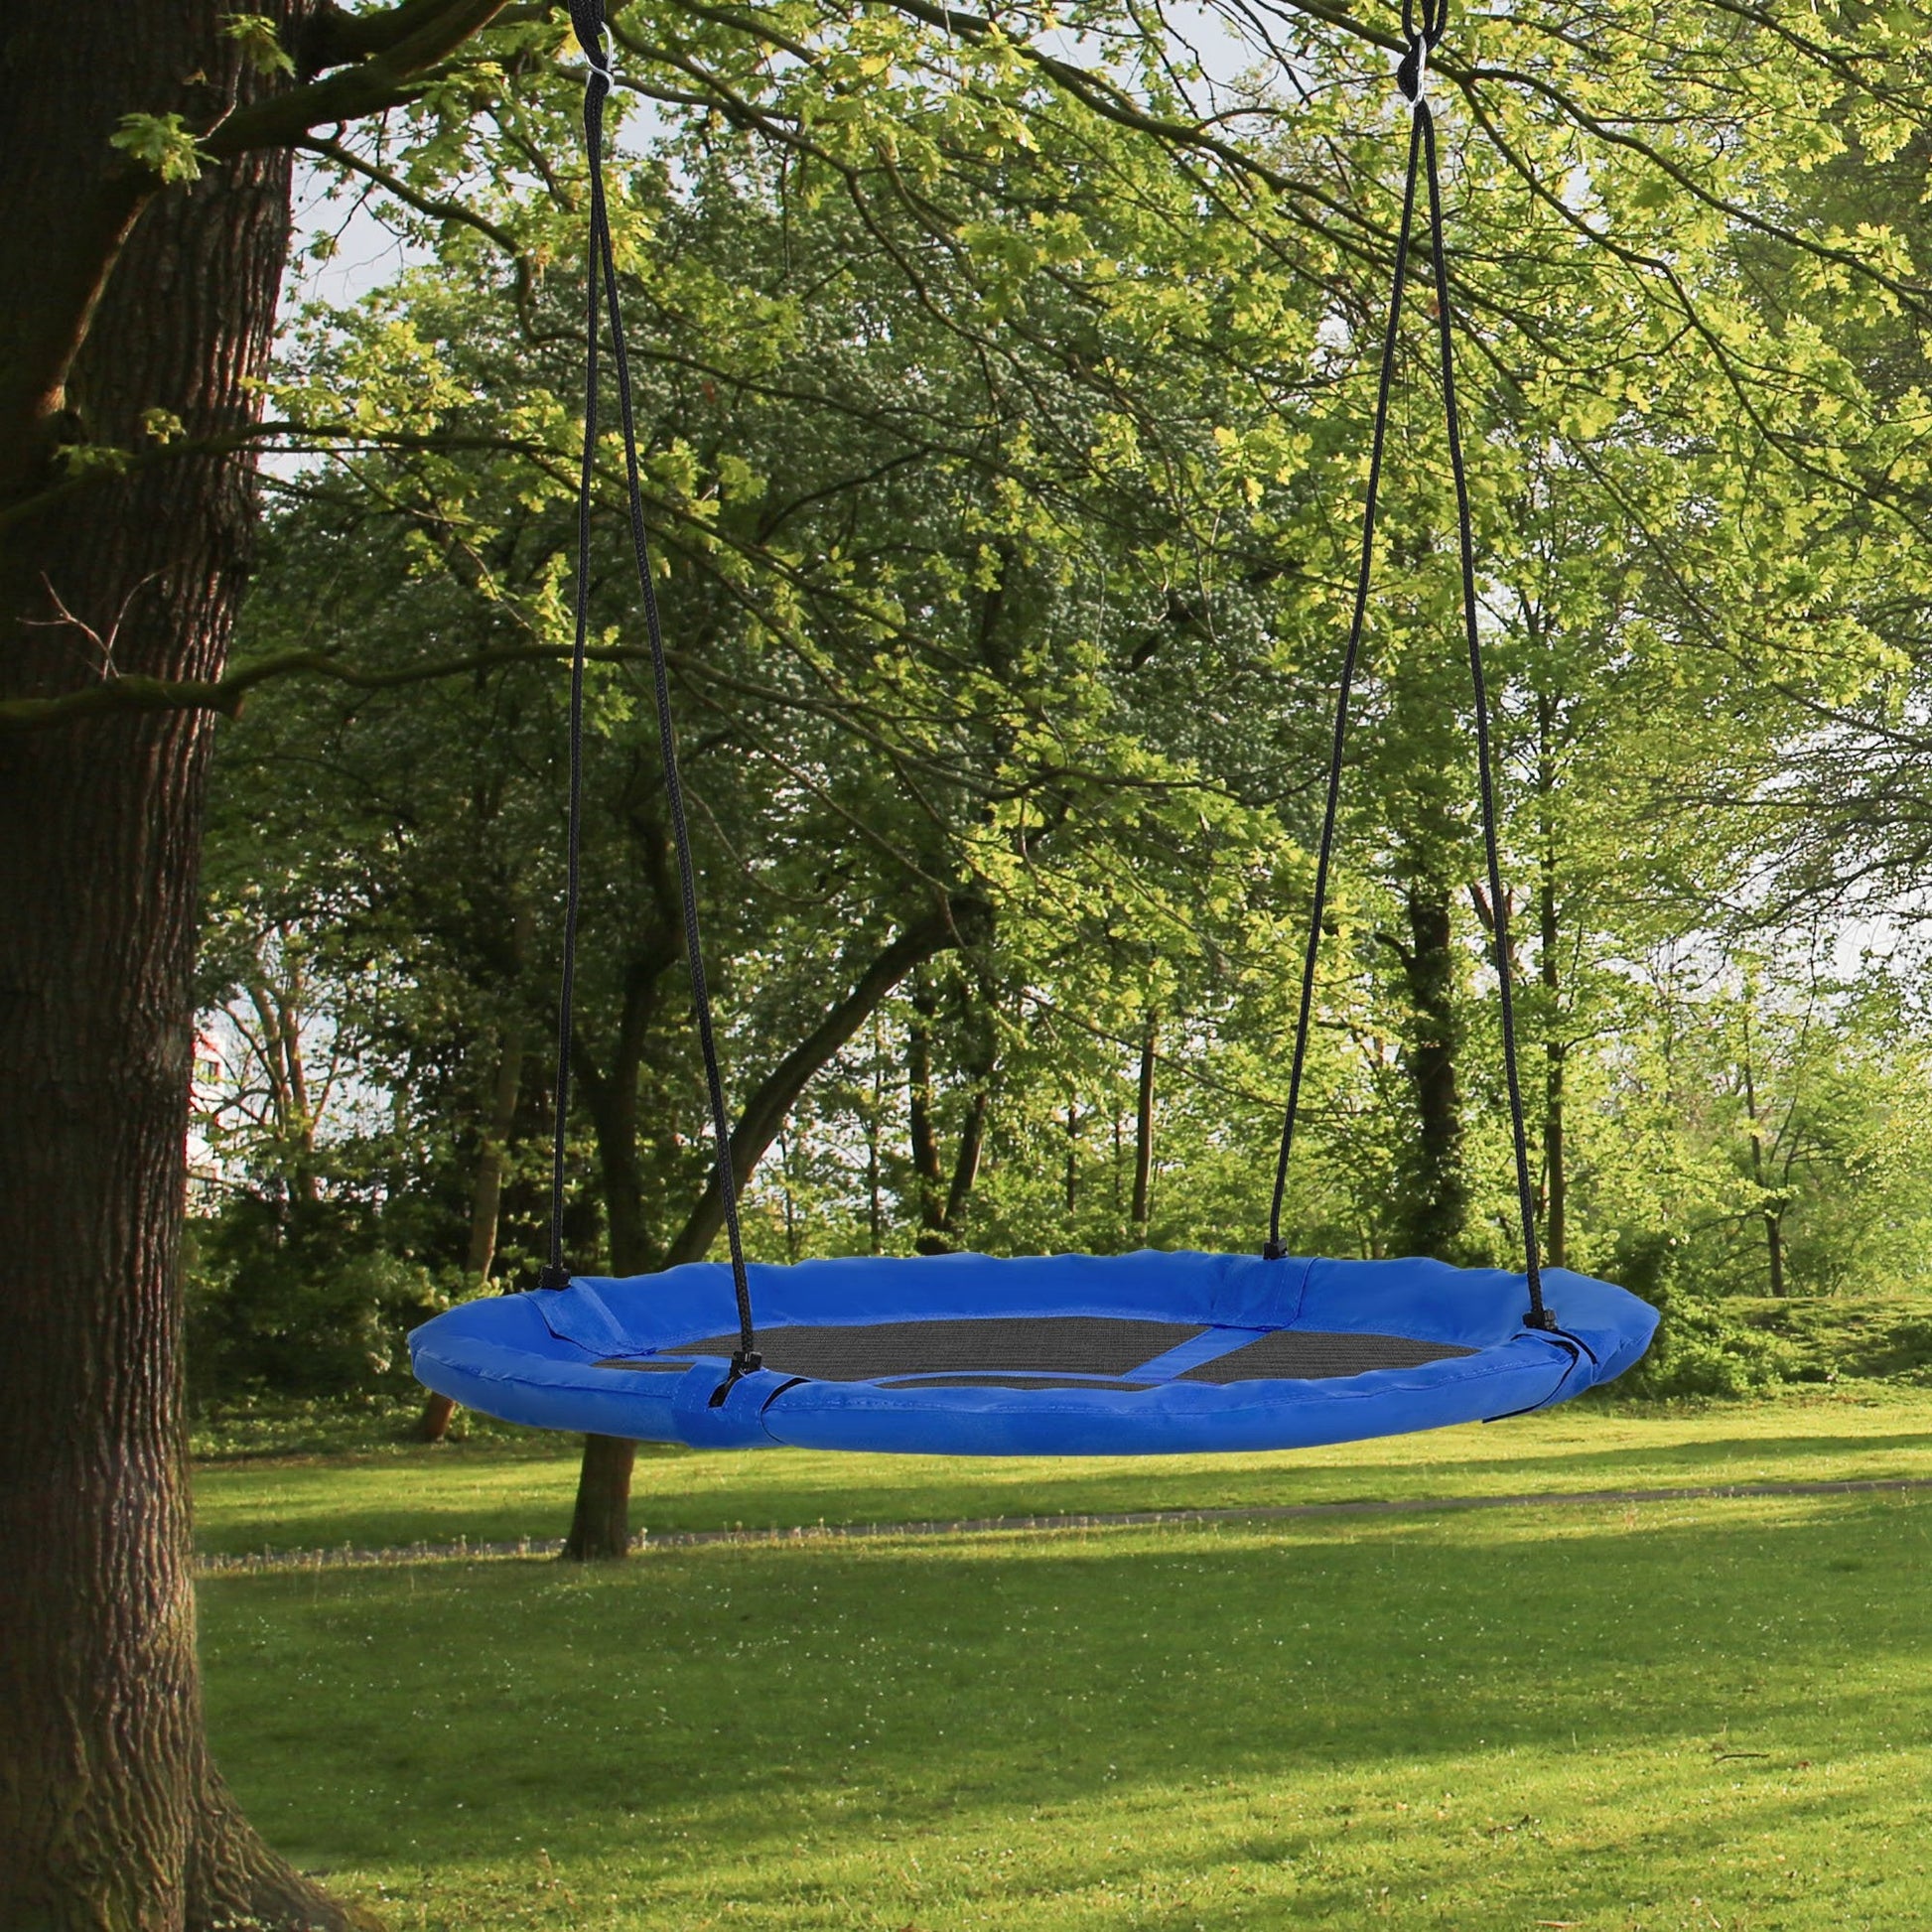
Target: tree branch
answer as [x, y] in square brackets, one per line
[425, 33]
[960, 922]
[434, 207]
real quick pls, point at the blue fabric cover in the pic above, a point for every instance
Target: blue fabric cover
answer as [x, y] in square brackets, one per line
[532, 1357]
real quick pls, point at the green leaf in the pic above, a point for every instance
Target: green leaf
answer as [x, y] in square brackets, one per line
[261, 45]
[161, 141]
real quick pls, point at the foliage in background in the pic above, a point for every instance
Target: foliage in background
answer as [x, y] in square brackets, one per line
[1003, 460]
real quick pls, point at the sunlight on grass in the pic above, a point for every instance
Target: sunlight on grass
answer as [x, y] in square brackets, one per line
[1641, 1715]
[496, 1491]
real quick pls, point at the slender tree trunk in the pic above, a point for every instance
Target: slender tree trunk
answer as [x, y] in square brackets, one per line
[966, 1164]
[772, 1101]
[874, 1184]
[921, 1131]
[1556, 1170]
[1072, 1160]
[1773, 1217]
[599, 1527]
[792, 1199]
[493, 1153]
[1435, 1212]
[112, 1814]
[1556, 1179]
[1143, 1132]
[610, 1096]
[979, 1051]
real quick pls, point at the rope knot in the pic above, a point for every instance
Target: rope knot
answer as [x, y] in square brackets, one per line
[586, 23]
[1411, 70]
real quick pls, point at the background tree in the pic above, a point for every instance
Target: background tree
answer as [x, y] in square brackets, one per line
[144, 244]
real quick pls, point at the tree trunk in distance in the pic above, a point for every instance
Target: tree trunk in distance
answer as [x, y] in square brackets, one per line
[1436, 1213]
[1143, 1132]
[966, 1165]
[486, 1193]
[1555, 1177]
[772, 1101]
[600, 1527]
[111, 1813]
[921, 1130]
[599, 1524]
[1773, 1218]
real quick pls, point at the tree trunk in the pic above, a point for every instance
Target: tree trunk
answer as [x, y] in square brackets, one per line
[1555, 1177]
[111, 1811]
[1144, 1133]
[1773, 1217]
[610, 1097]
[599, 1524]
[875, 1178]
[920, 1129]
[600, 1527]
[1556, 1172]
[765, 1110]
[1435, 1214]
[966, 1164]
[485, 1191]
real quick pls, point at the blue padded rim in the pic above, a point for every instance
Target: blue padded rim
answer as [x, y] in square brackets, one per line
[533, 1357]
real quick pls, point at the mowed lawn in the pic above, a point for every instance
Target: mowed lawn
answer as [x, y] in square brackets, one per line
[509, 1485]
[1647, 1715]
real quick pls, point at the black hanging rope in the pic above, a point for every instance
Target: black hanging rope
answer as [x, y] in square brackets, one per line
[1411, 78]
[1357, 622]
[586, 19]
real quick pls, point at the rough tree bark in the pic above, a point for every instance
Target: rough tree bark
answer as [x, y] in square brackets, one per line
[130, 315]
[111, 1811]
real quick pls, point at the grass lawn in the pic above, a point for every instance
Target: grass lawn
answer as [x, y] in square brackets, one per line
[1655, 1714]
[503, 1485]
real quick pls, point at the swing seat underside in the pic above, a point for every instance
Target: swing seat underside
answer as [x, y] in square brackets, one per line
[1148, 1353]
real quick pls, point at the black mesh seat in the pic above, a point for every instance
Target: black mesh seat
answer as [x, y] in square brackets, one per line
[1315, 1355]
[876, 1351]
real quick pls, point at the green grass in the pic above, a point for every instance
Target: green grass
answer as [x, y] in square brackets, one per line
[1714, 1714]
[1612, 1716]
[506, 1485]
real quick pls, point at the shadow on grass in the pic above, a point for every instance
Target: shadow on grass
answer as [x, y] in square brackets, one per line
[750, 1701]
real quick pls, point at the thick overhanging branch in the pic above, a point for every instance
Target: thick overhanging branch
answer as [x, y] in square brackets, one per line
[960, 921]
[380, 82]
[117, 696]
[333, 37]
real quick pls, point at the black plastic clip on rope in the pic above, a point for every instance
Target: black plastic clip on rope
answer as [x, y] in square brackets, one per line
[1411, 70]
[586, 19]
